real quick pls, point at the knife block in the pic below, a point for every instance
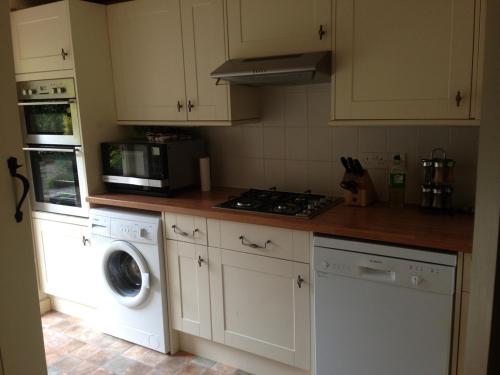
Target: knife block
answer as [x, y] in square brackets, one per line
[366, 194]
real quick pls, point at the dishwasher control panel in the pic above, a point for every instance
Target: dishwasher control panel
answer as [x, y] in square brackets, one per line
[400, 272]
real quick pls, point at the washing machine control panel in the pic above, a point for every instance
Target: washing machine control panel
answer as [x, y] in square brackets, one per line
[134, 231]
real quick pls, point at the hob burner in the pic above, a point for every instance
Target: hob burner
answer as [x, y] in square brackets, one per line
[304, 205]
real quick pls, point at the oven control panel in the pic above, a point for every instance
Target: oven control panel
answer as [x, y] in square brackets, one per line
[48, 89]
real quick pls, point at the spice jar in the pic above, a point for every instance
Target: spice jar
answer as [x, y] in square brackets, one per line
[439, 171]
[426, 200]
[426, 165]
[437, 201]
[450, 171]
[447, 201]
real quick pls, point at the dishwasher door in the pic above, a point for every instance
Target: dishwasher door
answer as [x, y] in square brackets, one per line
[378, 315]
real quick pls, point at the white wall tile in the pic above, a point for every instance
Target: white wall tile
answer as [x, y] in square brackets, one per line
[321, 179]
[345, 143]
[430, 138]
[372, 139]
[274, 143]
[296, 108]
[274, 173]
[320, 144]
[305, 153]
[296, 143]
[296, 175]
[318, 106]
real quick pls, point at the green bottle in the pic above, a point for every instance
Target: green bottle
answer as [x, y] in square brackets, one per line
[397, 182]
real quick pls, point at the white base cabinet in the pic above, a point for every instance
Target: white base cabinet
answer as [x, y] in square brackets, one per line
[67, 262]
[261, 305]
[188, 281]
[257, 301]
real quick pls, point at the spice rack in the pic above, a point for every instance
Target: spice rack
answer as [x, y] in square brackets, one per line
[438, 178]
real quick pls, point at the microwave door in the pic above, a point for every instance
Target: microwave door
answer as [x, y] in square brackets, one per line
[135, 161]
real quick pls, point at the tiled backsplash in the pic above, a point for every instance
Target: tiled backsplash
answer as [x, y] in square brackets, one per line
[294, 148]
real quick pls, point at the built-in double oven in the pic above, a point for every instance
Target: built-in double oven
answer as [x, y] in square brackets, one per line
[51, 130]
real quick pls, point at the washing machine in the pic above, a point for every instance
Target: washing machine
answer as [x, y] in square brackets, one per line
[132, 297]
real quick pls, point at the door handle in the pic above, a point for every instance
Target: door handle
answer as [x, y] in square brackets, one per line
[200, 260]
[458, 98]
[179, 106]
[190, 106]
[13, 167]
[321, 32]
[64, 54]
[300, 280]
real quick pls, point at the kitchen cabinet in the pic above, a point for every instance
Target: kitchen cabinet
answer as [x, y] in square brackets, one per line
[41, 38]
[188, 282]
[261, 305]
[67, 262]
[186, 228]
[146, 52]
[403, 60]
[258, 28]
[163, 53]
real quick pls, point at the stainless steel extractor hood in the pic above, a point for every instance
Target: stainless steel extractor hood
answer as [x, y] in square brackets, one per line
[277, 70]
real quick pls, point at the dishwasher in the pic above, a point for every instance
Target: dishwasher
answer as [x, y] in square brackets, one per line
[381, 309]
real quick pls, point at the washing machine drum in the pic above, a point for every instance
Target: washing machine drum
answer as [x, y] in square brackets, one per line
[126, 273]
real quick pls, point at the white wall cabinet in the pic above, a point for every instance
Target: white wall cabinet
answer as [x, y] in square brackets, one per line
[261, 305]
[163, 53]
[403, 60]
[188, 278]
[67, 262]
[260, 28]
[41, 38]
[146, 51]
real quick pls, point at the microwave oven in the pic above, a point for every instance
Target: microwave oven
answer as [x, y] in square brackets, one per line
[151, 168]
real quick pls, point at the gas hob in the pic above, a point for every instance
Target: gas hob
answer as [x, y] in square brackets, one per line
[303, 205]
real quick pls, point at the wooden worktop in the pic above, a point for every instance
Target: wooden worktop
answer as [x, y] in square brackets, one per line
[406, 226]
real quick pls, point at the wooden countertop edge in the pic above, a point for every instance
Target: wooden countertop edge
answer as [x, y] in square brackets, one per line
[370, 234]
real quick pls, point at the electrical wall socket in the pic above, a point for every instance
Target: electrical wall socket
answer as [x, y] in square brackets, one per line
[377, 160]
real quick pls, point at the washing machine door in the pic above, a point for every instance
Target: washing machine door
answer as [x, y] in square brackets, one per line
[126, 273]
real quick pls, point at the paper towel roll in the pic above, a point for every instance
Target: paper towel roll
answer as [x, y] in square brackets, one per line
[205, 173]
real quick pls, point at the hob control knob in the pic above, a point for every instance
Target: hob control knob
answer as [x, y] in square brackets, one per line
[416, 280]
[31, 91]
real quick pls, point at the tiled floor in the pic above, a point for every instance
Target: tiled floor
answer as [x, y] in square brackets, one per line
[74, 348]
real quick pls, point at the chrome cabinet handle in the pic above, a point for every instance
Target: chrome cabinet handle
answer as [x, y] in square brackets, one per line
[300, 280]
[247, 243]
[196, 230]
[321, 32]
[190, 105]
[458, 98]
[178, 231]
[85, 240]
[200, 260]
[64, 54]
[179, 106]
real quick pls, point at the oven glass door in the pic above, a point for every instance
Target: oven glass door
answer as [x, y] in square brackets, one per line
[57, 180]
[50, 122]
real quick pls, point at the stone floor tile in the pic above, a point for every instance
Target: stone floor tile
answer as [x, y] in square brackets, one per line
[125, 366]
[144, 355]
[192, 369]
[94, 354]
[223, 369]
[172, 364]
[66, 364]
[203, 362]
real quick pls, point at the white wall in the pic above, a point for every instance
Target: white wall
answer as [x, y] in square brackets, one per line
[294, 148]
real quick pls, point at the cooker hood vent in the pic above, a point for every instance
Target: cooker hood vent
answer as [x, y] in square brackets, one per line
[302, 68]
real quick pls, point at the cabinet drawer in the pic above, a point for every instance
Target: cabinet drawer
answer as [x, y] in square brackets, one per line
[262, 240]
[185, 228]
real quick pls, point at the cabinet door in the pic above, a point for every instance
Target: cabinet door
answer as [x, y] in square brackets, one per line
[41, 38]
[189, 290]
[146, 52]
[403, 59]
[204, 50]
[260, 28]
[68, 264]
[258, 306]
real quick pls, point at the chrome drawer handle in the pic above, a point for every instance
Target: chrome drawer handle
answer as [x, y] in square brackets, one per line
[300, 280]
[247, 243]
[178, 231]
[195, 231]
